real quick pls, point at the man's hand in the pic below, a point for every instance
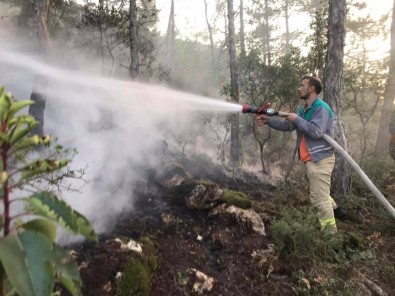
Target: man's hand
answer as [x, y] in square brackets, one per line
[292, 117]
[262, 119]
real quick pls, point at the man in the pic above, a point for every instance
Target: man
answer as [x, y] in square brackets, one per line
[311, 122]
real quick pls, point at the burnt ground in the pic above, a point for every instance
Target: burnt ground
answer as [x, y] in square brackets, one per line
[223, 250]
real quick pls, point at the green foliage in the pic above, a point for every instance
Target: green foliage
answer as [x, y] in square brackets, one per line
[326, 265]
[25, 259]
[276, 83]
[300, 241]
[43, 226]
[110, 21]
[30, 260]
[49, 206]
[318, 39]
[381, 170]
[363, 206]
[138, 272]
[236, 198]
[296, 234]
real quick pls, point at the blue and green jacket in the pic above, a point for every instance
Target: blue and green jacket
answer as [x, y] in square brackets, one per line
[313, 122]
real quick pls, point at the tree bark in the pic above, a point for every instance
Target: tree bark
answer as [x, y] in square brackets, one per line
[101, 30]
[234, 88]
[287, 34]
[170, 38]
[242, 35]
[133, 41]
[266, 53]
[341, 180]
[392, 135]
[40, 8]
[210, 32]
[382, 143]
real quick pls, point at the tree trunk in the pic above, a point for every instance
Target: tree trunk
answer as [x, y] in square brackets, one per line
[389, 95]
[101, 29]
[234, 88]
[170, 38]
[392, 135]
[242, 35]
[133, 41]
[333, 77]
[210, 32]
[287, 34]
[266, 53]
[41, 8]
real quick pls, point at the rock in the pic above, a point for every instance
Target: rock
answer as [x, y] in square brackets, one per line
[131, 245]
[245, 217]
[204, 196]
[172, 175]
[249, 217]
[203, 282]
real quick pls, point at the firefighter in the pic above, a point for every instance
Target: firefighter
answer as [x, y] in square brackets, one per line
[311, 121]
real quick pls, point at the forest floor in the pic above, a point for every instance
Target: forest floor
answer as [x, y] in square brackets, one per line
[291, 259]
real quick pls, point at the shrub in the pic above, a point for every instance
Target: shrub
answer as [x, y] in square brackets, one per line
[31, 261]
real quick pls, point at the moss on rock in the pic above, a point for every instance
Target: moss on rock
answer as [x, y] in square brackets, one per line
[138, 272]
[235, 198]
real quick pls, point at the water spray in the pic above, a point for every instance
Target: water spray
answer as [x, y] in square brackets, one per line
[266, 110]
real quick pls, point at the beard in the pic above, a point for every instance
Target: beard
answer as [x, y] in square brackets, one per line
[303, 97]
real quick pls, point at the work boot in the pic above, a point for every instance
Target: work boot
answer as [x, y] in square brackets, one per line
[339, 213]
[327, 231]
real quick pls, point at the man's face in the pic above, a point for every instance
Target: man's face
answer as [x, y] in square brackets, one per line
[305, 89]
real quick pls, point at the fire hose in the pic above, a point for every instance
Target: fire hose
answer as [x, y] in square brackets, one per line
[271, 112]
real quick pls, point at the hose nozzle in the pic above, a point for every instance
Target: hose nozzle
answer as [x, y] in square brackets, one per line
[263, 110]
[250, 109]
[259, 110]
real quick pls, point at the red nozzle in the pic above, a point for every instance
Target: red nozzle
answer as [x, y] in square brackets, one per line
[246, 108]
[251, 109]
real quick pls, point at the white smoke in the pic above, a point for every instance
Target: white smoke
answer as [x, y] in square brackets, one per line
[113, 124]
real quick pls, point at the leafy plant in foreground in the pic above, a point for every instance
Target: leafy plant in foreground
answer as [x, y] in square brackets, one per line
[30, 260]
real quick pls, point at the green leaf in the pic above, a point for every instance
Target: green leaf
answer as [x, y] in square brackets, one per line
[17, 106]
[5, 103]
[31, 142]
[42, 166]
[49, 206]
[25, 118]
[27, 143]
[43, 226]
[3, 137]
[3, 177]
[67, 271]
[25, 260]
[21, 130]
[6, 285]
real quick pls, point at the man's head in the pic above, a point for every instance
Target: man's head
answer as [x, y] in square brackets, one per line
[309, 87]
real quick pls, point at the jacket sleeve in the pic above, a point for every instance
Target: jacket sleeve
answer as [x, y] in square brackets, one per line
[317, 126]
[281, 125]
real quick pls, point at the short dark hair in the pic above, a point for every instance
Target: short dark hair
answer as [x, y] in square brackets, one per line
[314, 81]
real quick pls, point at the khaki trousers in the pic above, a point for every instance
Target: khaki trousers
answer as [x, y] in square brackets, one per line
[319, 175]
